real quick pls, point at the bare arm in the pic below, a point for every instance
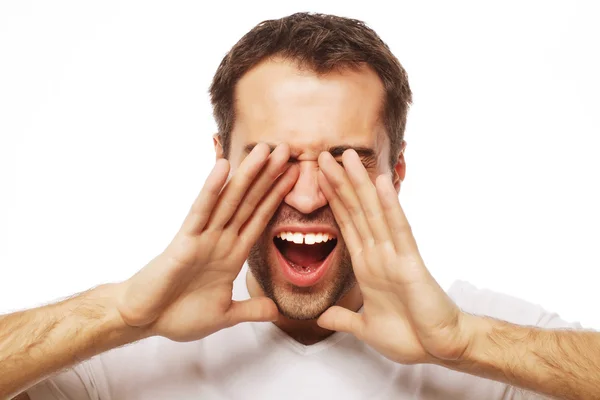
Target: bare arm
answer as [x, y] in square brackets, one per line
[183, 294]
[38, 342]
[409, 318]
[557, 362]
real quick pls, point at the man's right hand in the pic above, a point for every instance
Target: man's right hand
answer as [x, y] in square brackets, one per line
[185, 293]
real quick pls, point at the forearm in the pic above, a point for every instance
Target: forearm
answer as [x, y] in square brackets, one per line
[556, 362]
[38, 342]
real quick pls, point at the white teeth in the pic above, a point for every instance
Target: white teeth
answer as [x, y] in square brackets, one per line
[297, 238]
[308, 238]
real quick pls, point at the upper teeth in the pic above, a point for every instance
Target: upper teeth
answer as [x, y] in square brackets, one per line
[306, 238]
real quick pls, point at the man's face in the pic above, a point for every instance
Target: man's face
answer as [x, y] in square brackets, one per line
[301, 261]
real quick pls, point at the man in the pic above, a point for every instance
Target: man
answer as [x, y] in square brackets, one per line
[335, 298]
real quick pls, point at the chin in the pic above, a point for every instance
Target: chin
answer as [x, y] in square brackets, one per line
[303, 276]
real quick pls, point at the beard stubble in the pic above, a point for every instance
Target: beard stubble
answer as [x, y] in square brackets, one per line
[293, 302]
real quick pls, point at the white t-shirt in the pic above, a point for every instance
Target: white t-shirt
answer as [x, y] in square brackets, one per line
[259, 361]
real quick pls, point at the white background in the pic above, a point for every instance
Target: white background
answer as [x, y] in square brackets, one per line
[106, 131]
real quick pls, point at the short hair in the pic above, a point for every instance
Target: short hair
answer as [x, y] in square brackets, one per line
[322, 43]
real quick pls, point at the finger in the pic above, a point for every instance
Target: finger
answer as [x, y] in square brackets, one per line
[338, 179]
[255, 225]
[367, 195]
[341, 319]
[400, 228]
[257, 309]
[276, 165]
[236, 188]
[342, 216]
[207, 198]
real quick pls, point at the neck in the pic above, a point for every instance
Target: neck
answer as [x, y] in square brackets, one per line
[306, 332]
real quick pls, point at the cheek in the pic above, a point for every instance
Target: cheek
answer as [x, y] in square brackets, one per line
[268, 250]
[233, 165]
[235, 157]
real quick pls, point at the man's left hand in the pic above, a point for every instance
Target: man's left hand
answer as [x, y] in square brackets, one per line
[406, 315]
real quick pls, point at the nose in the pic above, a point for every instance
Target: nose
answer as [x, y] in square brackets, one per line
[306, 196]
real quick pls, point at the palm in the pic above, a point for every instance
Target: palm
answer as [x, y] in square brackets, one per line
[189, 315]
[409, 326]
[385, 318]
[397, 338]
[406, 316]
[185, 293]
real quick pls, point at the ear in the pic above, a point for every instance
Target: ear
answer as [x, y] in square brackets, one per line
[218, 146]
[400, 167]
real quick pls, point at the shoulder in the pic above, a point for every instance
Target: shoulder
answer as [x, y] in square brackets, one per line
[481, 301]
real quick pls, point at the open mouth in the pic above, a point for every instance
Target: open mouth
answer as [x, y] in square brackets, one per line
[304, 256]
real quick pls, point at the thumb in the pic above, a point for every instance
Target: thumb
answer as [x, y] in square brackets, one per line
[341, 319]
[258, 309]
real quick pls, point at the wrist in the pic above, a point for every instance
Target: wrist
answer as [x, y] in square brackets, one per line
[491, 344]
[475, 332]
[98, 308]
[509, 353]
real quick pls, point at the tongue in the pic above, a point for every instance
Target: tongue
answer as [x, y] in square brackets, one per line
[305, 254]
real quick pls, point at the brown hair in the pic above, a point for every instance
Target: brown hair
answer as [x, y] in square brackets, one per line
[323, 43]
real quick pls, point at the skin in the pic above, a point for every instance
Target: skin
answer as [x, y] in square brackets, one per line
[401, 298]
[185, 293]
[197, 269]
[406, 315]
[278, 103]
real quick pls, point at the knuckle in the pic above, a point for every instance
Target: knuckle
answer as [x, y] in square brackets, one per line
[373, 214]
[355, 210]
[345, 223]
[336, 182]
[251, 199]
[230, 203]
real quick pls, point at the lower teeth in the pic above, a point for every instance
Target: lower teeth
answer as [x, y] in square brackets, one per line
[301, 268]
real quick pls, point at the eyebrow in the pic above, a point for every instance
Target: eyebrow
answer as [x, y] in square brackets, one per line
[367, 155]
[250, 146]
